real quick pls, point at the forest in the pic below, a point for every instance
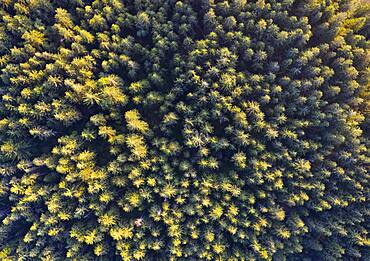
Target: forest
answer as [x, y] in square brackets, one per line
[184, 130]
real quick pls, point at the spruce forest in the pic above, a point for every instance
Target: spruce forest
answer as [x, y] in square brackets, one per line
[184, 130]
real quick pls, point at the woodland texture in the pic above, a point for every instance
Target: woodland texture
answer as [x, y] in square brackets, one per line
[184, 130]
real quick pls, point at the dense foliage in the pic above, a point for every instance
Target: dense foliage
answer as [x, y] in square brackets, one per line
[165, 130]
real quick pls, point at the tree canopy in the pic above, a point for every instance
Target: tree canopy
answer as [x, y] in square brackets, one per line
[184, 130]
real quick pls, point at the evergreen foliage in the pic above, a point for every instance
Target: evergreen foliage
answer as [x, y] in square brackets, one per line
[184, 130]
